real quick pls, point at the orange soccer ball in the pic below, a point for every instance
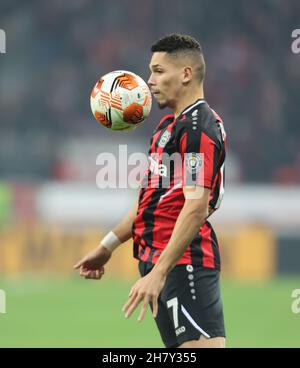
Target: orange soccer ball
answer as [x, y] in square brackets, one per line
[121, 100]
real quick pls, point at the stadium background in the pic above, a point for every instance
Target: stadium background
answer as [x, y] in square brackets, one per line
[51, 210]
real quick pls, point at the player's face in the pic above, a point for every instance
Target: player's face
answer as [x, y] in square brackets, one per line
[165, 81]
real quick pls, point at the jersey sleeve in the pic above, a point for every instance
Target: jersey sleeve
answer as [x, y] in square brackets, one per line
[200, 155]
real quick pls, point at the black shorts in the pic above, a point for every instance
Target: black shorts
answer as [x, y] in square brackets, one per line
[189, 305]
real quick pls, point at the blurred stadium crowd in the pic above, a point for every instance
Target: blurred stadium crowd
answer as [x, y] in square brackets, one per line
[56, 50]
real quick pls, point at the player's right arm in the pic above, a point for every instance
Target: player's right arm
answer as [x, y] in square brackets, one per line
[91, 266]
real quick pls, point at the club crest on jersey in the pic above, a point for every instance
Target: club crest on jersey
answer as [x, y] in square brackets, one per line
[164, 139]
[193, 162]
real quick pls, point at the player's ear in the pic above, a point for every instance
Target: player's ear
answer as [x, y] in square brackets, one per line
[187, 74]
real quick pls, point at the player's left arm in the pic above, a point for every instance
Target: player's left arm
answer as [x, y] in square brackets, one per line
[192, 216]
[189, 221]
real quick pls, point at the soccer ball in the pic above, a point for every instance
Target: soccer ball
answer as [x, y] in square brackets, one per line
[121, 100]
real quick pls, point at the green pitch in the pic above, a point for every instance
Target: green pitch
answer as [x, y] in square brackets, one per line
[45, 312]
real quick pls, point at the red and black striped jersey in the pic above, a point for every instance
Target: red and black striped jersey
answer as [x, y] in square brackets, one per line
[198, 137]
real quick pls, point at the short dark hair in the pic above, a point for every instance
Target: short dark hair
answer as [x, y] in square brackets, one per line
[177, 43]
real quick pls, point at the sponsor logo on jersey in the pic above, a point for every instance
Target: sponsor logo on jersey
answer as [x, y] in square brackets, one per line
[156, 168]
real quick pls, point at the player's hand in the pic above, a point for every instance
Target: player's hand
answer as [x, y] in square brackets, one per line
[91, 266]
[146, 289]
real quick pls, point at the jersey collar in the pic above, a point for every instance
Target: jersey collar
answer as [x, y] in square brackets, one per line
[192, 106]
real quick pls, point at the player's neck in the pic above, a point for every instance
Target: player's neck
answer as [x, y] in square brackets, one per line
[188, 99]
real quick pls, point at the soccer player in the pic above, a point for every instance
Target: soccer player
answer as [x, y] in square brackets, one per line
[176, 246]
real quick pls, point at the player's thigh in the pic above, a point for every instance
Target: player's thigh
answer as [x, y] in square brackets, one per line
[193, 300]
[163, 321]
[204, 342]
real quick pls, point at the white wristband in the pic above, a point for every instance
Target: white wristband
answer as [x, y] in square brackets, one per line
[110, 241]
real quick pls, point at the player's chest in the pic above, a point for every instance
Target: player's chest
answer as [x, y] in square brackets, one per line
[163, 141]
